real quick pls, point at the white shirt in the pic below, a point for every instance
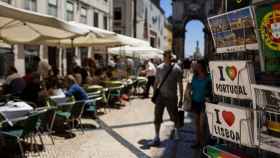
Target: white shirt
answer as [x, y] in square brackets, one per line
[43, 69]
[151, 69]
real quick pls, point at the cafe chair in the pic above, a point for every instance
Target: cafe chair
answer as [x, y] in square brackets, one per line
[141, 84]
[114, 94]
[47, 122]
[95, 98]
[20, 134]
[75, 114]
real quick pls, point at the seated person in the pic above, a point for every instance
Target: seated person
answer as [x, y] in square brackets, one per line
[74, 89]
[32, 89]
[14, 84]
[98, 77]
[77, 75]
[47, 91]
[56, 78]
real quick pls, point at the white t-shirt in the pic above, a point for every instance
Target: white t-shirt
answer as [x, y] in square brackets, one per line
[43, 69]
[151, 69]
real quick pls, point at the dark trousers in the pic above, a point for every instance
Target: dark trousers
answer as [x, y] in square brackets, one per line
[151, 82]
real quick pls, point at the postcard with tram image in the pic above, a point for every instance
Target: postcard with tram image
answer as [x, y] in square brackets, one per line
[266, 100]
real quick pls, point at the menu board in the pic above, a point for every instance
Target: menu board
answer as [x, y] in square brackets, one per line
[234, 31]
[268, 22]
[266, 101]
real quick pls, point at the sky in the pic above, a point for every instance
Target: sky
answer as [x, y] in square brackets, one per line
[194, 33]
[194, 30]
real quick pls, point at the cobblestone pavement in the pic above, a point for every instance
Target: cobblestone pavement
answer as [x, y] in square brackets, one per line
[181, 148]
[120, 133]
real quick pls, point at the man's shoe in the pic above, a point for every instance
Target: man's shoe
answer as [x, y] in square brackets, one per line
[154, 142]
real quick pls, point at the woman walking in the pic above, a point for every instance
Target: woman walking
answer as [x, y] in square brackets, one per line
[201, 88]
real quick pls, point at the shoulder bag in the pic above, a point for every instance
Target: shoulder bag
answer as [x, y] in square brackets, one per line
[157, 90]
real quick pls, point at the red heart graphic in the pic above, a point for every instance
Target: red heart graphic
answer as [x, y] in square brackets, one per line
[231, 72]
[228, 117]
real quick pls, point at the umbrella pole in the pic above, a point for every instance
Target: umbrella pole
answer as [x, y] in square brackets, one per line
[72, 49]
[107, 57]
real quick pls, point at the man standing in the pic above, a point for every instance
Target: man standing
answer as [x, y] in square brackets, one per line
[167, 96]
[150, 72]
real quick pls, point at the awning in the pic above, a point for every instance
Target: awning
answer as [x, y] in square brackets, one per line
[22, 26]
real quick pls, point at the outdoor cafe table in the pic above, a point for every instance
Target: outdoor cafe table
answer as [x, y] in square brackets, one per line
[12, 110]
[59, 97]
[93, 88]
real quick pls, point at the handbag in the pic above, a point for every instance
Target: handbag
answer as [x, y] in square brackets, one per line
[187, 104]
[157, 90]
[181, 117]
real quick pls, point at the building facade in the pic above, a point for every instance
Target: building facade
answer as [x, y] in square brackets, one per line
[168, 36]
[96, 13]
[143, 19]
[123, 17]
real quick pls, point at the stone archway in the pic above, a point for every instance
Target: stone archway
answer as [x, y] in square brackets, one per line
[187, 10]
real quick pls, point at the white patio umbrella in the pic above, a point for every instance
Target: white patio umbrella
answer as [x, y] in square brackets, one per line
[151, 56]
[141, 52]
[22, 26]
[97, 37]
[4, 45]
[130, 41]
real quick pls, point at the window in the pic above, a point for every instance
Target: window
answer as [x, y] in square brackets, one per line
[83, 15]
[52, 7]
[96, 19]
[153, 42]
[118, 31]
[7, 1]
[83, 55]
[117, 13]
[70, 59]
[30, 5]
[69, 11]
[31, 53]
[53, 56]
[105, 22]
[6, 60]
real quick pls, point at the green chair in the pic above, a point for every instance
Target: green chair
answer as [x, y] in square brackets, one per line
[74, 115]
[114, 93]
[93, 88]
[115, 89]
[141, 83]
[47, 122]
[94, 98]
[19, 134]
